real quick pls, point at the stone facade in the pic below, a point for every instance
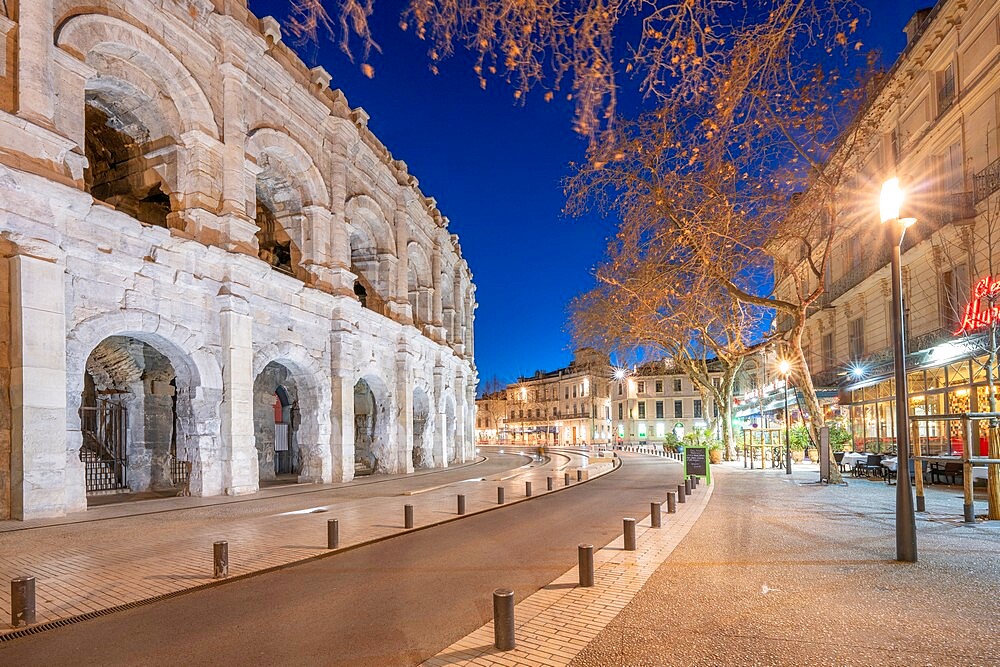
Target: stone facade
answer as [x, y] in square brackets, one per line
[940, 109]
[194, 226]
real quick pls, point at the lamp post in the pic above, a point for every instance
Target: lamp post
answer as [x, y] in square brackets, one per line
[784, 367]
[621, 375]
[906, 530]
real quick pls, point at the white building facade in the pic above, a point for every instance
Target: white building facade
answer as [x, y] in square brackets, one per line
[214, 274]
[655, 400]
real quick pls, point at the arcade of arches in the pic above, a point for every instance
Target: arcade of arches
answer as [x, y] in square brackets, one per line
[202, 312]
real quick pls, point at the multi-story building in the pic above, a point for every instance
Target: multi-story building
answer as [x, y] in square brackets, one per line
[212, 272]
[655, 399]
[491, 419]
[939, 109]
[568, 406]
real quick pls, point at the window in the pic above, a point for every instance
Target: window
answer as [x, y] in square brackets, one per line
[520, 414]
[856, 338]
[828, 351]
[659, 386]
[954, 288]
[619, 388]
[642, 409]
[717, 382]
[641, 387]
[619, 411]
[607, 412]
[946, 89]
[574, 391]
[659, 409]
[853, 251]
[677, 384]
[697, 408]
[574, 409]
[715, 410]
[538, 413]
[678, 409]
[567, 392]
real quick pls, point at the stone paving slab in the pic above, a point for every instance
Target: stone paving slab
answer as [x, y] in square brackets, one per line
[557, 622]
[91, 565]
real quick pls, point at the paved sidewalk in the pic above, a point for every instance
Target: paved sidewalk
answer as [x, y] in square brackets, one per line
[777, 571]
[120, 554]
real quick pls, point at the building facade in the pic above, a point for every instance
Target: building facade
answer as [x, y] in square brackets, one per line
[940, 137]
[214, 274]
[568, 406]
[656, 399]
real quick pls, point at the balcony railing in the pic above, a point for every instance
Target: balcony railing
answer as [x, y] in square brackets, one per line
[987, 181]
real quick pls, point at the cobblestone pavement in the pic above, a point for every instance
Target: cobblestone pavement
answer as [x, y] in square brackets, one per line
[118, 554]
[776, 571]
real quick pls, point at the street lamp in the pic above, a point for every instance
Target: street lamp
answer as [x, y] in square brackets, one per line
[906, 529]
[784, 367]
[621, 375]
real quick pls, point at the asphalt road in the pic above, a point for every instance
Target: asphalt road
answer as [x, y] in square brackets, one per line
[396, 602]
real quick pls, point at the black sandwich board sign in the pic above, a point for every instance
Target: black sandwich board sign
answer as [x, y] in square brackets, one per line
[696, 463]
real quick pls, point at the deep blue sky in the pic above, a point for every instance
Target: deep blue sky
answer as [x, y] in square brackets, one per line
[495, 168]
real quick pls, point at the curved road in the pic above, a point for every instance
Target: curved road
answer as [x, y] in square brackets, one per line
[396, 602]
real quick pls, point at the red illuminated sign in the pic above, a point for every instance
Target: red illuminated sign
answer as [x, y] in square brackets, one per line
[975, 317]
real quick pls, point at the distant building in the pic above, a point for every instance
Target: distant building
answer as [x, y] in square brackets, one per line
[655, 399]
[568, 406]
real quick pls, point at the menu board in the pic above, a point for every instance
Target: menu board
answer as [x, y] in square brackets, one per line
[696, 463]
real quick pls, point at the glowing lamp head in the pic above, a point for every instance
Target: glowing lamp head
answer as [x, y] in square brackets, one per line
[784, 366]
[858, 372]
[891, 200]
[619, 374]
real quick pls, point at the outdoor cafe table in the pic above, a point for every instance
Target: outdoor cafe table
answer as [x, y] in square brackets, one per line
[852, 458]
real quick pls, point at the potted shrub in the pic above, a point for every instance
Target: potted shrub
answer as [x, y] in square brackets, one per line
[715, 452]
[798, 441]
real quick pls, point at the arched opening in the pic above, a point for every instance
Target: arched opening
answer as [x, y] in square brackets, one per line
[423, 453]
[419, 286]
[276, 420]
[126, 151]
[372, 448]
[365, 265]
[133, 422]
[278, 216]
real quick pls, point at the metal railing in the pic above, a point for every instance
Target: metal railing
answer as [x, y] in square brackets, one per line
[986, 181]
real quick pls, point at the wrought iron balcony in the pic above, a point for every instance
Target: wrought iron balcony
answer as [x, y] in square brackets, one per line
[987, 181]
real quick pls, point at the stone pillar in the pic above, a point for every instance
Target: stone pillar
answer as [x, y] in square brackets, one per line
[404, 406]
[342, 381]
[240, 473]
[470, 419]
[35, 85]
[316, 257]
[341, 133]
[39, 452]
[460, 419]
[438, 437]
[436, 315]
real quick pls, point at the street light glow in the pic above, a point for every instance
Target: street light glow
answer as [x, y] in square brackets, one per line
[890, 200]
[619, 374]
[784, 366]
[858, 372]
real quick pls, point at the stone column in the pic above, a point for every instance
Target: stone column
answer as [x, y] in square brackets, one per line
[342, 380]
[35, 85]
[436, 315]
[470, 410]
[401, 307]
[341, 133]
[460, 418]
[240, 473]
[438, 437]
[404, 407]
[39, 452]
[316, 257]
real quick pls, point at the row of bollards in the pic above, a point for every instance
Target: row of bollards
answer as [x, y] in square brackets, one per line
[503, 598]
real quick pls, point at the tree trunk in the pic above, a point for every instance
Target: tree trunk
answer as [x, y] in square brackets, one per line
[817, 419]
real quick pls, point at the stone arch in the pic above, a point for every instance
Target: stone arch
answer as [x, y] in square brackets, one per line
[198, 381]
[313, 393]
[87, 35]
[420, 284]
[423, 450]
[288, 183]
[372, 251]
[447, 281]
[373, 447]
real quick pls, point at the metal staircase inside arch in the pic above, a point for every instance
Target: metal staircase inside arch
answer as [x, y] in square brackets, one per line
[105, 429]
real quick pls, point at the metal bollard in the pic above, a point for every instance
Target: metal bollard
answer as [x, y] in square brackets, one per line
[654, 515]
[680, 494]
[22, 601]
[527, 489]
[548, 483]
[567, 479]
[672, 502]
[629, 525]
[695, 482]
[408, 516]
[503, 619]
[333, 534]
[461, 504]
[687, 487]
[585, 558]
[579, 475]
[220, 560]
[500, 495]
